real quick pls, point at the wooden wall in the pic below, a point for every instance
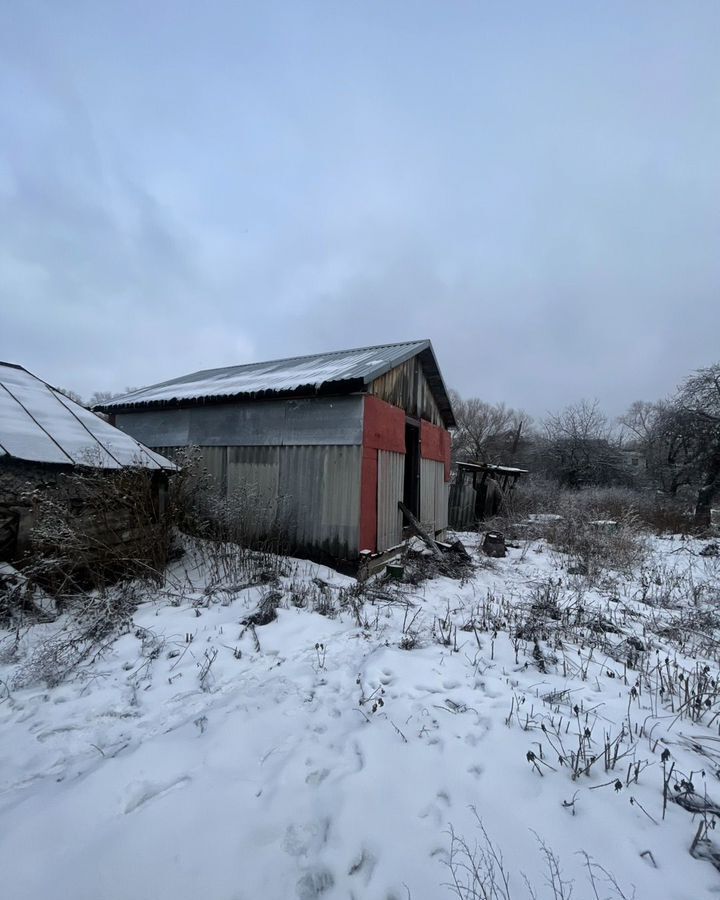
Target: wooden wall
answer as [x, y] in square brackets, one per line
[406, 386]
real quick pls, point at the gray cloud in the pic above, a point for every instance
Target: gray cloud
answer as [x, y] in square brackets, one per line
[537, 190]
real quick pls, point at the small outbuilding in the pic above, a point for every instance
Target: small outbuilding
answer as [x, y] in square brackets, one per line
[325, 445]
[480, 491]
[70, 481]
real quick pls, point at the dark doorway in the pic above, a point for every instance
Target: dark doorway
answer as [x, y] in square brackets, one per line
[411, 490]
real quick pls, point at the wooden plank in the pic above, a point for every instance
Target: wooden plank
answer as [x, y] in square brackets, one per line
[420, 531]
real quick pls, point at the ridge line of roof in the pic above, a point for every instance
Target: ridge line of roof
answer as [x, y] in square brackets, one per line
[269, 362]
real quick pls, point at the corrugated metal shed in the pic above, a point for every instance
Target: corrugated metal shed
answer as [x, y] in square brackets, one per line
[40, 424]
[344, 371]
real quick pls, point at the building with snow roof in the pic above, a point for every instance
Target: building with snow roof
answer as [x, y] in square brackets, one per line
[46, 441]
[326, 445]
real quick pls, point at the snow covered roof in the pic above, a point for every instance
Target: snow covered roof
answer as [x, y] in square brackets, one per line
[348, 369]
[491, 468]
[40, 424]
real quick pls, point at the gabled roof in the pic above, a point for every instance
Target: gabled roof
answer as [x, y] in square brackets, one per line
[40, 424]
[344, 371]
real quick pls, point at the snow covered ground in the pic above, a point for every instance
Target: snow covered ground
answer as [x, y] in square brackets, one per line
[317, 757]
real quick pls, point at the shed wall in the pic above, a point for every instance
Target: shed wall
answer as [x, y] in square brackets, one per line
[390, 482]
[433, 494]
[462, 504]
[307, 498]
[256, 423]
[406, 386]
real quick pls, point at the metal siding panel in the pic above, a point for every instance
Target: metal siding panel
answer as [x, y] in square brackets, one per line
[325, 420]
[158, 427]
[237, 424]
[462, 504]
[427, 492]
[215, 460]
[441, 498]
[252, 485]
[391, 478]
[322, 489]
[433, 494]
[310, 496]
[262, 423]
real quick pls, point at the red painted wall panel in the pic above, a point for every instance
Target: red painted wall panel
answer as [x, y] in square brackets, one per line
[435, 444]
[383, 425]
[368, 499]
[383, 429]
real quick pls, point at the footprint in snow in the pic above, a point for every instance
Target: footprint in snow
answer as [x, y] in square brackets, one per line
[146, 791]
[62, 730]
[301, 840]
[432, 811]
[482, 726]
[314, 884]
[317, 777]
[428, 688]
[359, 758]
[364, 866]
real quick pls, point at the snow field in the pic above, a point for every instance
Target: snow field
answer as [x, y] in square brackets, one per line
[325, 761]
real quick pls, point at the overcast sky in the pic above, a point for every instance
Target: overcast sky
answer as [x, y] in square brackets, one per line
[534, 186]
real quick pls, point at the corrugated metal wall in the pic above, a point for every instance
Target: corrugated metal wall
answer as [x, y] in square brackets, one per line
[309, 497]
[250, 423]
[442, 496]
[462, 504]
[433, 494]
[320, 487]
[391, 476]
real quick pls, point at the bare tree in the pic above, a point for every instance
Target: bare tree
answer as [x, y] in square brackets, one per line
[641, 421]
[660, 431]
[486, 432]
[697, 413]
[579, 446]
[680, 438]
[100, 397]
[73, 395]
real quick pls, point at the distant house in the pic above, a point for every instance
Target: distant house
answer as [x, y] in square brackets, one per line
[45, 439]
[634, 459]
[326, 445]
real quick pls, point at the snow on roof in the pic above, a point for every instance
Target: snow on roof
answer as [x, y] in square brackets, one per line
[287, 375]
[40, 424]
[492, 467]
